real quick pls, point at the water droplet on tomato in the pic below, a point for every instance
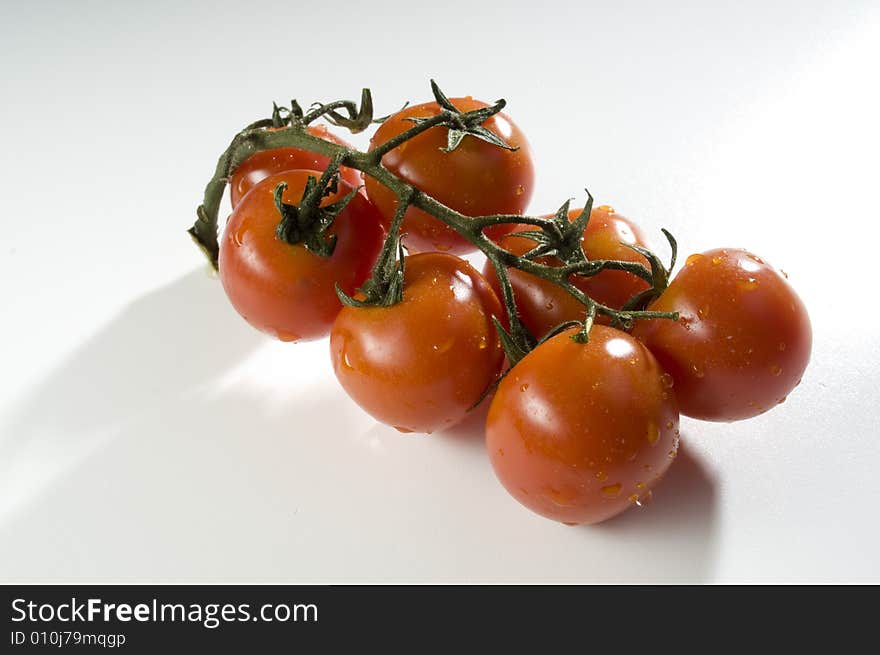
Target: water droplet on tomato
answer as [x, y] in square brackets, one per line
[633, 498]
[601, 475]
[520, 189]
[645, 498]
[612, 490]
[698, 371]
[693, 259]
[703, 312]
[287, 336]
[666, 380]
[524, 386]
[776, 369]
[749, 284]
[782, 346]
[716, 260]
[640, 485]
[403, 429]
[653, 434]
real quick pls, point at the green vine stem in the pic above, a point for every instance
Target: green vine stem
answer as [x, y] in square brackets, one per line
[555, 237]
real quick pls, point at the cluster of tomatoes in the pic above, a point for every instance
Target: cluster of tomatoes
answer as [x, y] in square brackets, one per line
[577, 432]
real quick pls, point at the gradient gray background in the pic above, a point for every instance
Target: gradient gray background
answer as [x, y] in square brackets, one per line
[148, 434]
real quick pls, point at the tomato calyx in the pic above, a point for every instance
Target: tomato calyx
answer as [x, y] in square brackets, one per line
[384, 287]
[659, 277]
[461, 124]
[308, 221]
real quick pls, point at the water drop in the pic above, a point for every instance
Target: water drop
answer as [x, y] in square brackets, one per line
[403, 429]
[699, 372]
[501, 452]
[781, 346]
[669, 425]
[520, 189]
[648, 467]
[524, 386]
[666, 380]
[640, 485]
[693, 259]
[483, 344]
[633, 498]
[776, 369]
[612, 490]
[645, 498]
[703, 312]
[653, 434]
[749, 284]
[287, 336]
[601, 475]
[716, 260]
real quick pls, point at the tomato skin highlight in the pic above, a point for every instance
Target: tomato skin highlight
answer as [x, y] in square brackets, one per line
[579, 432]
[743, 340]
[543, 305]
[265, 163]
[476, 179]
[284, 289]
[421, 364]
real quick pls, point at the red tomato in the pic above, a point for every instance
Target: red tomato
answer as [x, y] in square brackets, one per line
[476, 179]
[743, 340]
[421, 364]
[580, 432]
[262, 164]
[284, 289]
[543, 305]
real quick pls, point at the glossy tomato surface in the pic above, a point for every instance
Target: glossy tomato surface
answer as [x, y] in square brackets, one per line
[581, 432]
[476, 179]
[421, 364]
[261, 165]
[284, 289]
[743, 340]
[543, 305]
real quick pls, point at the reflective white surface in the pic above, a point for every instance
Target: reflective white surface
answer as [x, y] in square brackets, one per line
[148, 434]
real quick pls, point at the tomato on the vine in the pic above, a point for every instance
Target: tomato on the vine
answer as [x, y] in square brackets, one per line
[421, 364]
[743, 339]
[477, 178]
[542, 304]
[264, 163]
[580, 432]
[284, 289]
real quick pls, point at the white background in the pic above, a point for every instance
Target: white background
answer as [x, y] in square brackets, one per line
[148, 434]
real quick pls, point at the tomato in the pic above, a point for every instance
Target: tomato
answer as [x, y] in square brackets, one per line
[580, 432]
[285, 289]
[543, 305]
[421, 364]
[264, 163]
[743, 340]
[476, 179]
